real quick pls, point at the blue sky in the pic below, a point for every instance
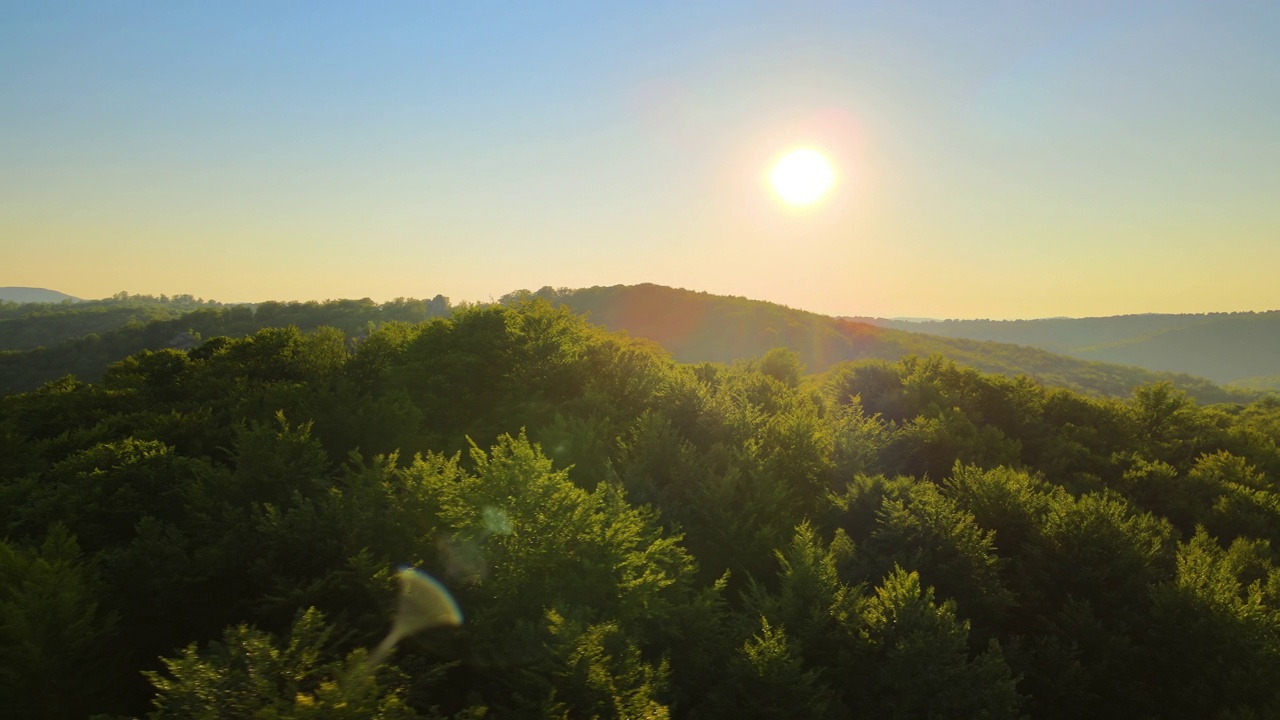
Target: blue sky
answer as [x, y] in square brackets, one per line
[1003, 159]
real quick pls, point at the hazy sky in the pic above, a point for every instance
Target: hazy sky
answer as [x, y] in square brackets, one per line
[995, 159]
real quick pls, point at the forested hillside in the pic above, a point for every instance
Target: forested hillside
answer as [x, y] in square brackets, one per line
[216, 532]
[1267, 382]
[1233, 348]
[28, 325]
[699, 327]
[130, 324]
[694, 327]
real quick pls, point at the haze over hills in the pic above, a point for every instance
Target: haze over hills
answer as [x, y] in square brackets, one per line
[1230, 348]
[33, 295]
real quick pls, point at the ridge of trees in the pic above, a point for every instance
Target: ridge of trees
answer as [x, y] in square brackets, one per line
[700, 327]
[214, 532]
[150, 323]
[695, 327]
[28, 325]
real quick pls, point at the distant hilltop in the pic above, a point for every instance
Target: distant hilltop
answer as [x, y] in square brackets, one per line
[33, 295]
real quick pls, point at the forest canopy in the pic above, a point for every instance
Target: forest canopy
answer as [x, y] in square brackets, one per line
[217, 531]
[50, 341]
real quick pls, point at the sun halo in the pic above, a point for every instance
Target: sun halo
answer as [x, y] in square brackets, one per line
[802, 177]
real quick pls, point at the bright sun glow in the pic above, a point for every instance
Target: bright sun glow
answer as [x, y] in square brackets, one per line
[802, 177]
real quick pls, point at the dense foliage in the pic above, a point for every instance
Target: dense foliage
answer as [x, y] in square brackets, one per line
[25, 326]
[214, 532]
[42, 342]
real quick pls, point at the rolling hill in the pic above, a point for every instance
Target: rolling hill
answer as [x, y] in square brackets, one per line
[698, 327]
[33, 295]
[1230, 348]
[692, 326]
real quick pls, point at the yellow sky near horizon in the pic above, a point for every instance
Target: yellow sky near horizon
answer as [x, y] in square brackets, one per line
[1061, 161]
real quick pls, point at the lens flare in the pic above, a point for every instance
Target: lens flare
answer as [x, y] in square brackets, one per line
[424, 603]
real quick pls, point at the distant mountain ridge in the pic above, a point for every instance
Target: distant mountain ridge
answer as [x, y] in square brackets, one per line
[33, 295]
[1230, 348]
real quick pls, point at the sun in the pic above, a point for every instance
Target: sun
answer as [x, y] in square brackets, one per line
[802, 177]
